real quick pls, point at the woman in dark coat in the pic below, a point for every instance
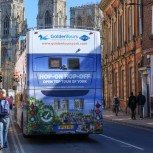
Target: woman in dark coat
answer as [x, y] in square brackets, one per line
[132, 105]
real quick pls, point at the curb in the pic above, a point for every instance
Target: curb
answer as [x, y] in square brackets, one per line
[130, 124]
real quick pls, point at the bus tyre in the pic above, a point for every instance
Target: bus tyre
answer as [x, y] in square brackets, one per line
[84, 136]
[25, 136]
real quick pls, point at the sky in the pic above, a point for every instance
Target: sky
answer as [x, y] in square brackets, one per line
[31, 9]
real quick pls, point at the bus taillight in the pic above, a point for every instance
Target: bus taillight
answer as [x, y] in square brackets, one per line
[32, 106]
[97, 125]
[33, 126]
[32, 112]
[97, 111]
[98, 105]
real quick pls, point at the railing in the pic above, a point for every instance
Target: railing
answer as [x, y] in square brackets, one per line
[64, 27]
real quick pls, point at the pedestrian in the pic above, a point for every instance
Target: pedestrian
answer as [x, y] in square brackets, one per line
[104, 104]
[132, 104]
[10, 102]
[116, 103]
[141, 99]
[4, 118]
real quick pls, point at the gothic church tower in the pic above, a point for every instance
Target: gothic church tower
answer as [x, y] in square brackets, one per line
[51, 13]
[12, 24]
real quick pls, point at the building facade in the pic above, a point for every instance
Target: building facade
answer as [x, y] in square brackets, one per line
[51, 13]
[86, 16]
[12, 24]
[147, 46]
[122, 52]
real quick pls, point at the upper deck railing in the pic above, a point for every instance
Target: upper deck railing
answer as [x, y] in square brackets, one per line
[64, 27]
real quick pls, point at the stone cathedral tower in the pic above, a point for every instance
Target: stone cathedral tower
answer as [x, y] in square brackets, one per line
[51, 13]
[12, 24]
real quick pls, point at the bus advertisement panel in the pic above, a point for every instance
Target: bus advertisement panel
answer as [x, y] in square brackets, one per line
[62, 91]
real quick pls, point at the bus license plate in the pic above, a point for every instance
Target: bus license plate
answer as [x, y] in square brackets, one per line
[66, 127]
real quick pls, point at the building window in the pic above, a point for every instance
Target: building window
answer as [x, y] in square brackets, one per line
[4, 56]
[140, 16]
[60, 18]
[89, 22]
[17, 24]
[130, 80]
[130, 23]
[56, 104]
[79, 103]
[79, 21]
[108, 40]
[122, 30]
[115, 83]
[115, 35]
[47, 20]
[152, 20]
[6, 26]
[122, 84]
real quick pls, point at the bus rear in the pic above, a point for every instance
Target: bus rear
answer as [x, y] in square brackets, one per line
[64, 84]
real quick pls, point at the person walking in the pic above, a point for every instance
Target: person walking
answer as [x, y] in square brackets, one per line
[4, 118]
[116, 103]
[10, 102]
[132, 104]
[141, 100]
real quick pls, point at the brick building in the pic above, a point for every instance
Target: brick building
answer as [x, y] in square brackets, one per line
[147, 47]
[122, 52]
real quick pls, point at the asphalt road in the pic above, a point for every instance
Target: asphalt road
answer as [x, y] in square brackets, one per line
[116, 139]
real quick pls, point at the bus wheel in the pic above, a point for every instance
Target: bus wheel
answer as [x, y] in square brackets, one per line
[25, 136]
[84, 136]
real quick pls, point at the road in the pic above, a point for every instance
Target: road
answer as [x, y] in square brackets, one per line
[116, 139]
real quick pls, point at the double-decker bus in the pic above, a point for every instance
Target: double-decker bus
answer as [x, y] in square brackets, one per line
[59, 83]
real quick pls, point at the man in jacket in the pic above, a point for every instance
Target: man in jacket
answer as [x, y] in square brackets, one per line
[141, 101]
[4, 118]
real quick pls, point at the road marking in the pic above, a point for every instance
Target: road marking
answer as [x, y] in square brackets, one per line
[150, 123]
[13, 140]
[18, 141]
[108, 115]
[121, 142]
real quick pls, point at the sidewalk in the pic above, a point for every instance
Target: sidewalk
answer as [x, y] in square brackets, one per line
[126, 119]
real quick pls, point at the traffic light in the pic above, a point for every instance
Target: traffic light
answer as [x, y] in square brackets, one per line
[1, 78]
